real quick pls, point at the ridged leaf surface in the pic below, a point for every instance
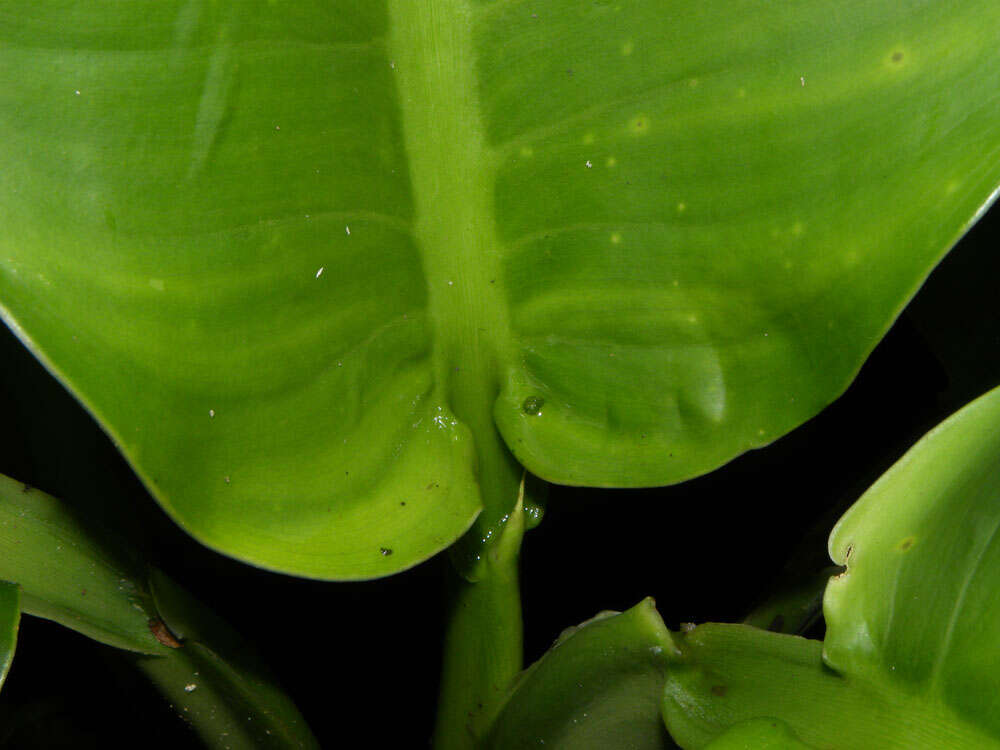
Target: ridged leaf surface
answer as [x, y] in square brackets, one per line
[324, 269]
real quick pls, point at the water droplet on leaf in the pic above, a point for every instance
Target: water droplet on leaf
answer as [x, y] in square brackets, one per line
[533, 405]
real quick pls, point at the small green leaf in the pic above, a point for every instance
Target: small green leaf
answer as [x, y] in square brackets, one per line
[214, 680]
[598, 687]
[10, 615]
[67, 573]
[734, 673]
[913, 624]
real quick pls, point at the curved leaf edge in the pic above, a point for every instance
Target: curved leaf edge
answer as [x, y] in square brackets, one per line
[10, 619]
[222, 547]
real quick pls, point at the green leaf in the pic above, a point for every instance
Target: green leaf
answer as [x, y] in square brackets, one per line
[68, 573]
[911, 652]
[307, 264]
[214, 680]
[758, 734]
[10, 616]
[599, 686]
[919, 605]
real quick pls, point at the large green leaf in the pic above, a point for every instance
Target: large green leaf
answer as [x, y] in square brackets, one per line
[599, 686]
[10, 616]
[306, 263]
[912, 650]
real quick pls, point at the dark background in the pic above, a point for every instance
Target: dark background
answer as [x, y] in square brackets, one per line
[362, 659]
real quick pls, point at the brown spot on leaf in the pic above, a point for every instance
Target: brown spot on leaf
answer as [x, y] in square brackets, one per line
[719, 690]
[161, 633]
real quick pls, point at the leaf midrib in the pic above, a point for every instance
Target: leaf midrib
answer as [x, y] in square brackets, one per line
[452, 176]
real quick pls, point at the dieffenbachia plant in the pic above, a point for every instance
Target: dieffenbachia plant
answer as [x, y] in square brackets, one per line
[340, 278]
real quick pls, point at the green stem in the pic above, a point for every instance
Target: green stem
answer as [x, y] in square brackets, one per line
[483, 650]
[452, 170]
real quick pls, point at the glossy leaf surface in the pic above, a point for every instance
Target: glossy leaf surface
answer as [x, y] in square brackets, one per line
[215, 681]
[67, 573]
[758, 734]
[10, 616]
[304, 262]
[599, 686]
[919, 605]
[912, 645]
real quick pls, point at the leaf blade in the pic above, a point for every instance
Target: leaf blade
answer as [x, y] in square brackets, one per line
[782, 182]
[10, 616]
[910, 646]
[215, 682]
[297, 300]
[598, 686]
[67, 574]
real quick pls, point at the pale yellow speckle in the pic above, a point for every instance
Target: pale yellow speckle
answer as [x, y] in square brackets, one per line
[157, 284]
[628, 48]
[611, 162]
[616, 238]
[693, 83]
[682, 207]
[742, 93]
[798, 228]
[788, 264]
[692, 318]
[587, 139]
[638, 125]
[676, 282]
[952, 187]
[526, 152]
[851, 258]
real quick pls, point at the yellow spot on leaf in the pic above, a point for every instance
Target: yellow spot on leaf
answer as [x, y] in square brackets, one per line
[639, 125]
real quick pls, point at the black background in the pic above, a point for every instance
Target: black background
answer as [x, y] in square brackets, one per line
[362, 659]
